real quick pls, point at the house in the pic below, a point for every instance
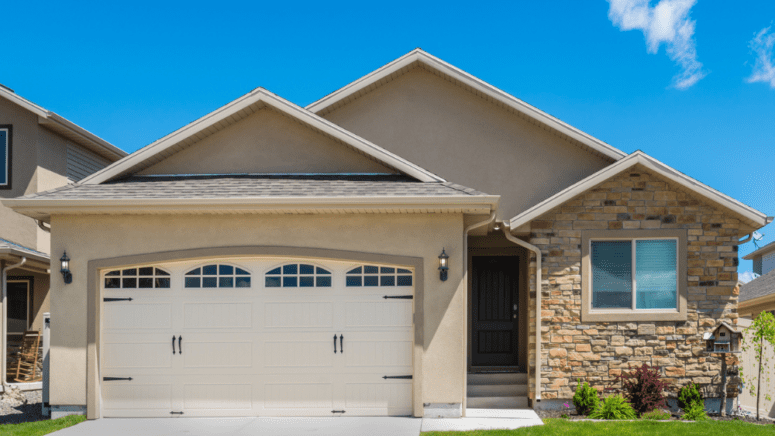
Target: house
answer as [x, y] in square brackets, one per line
[418, 242]
[758, 296]
[39, 151]
[763, 259]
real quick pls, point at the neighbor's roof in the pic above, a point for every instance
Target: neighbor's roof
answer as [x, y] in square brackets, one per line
[251, 193]
[14, 249]
[66, 128]
[419, 57]
[761, 252]
[758, 287]
[750, 216]
[237, 110]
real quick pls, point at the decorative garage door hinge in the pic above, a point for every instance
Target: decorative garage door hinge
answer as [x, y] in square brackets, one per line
[108, 300]
[399, 297]
[176, 413]
[406, 377]
[116, 378]
[337, 411]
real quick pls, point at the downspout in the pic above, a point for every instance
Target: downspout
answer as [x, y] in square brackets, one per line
[43, 226]
[465, 304]
[4, 339]
[507, 232]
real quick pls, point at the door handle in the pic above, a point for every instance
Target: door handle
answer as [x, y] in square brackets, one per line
[180, 345]
[334, 343]
[341, 343]
[173, 344]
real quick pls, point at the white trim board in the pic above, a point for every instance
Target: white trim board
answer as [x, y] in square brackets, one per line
[432, 62]
[639, 158]
[221, 117]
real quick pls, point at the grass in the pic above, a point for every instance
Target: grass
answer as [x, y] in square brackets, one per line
[40, 427]
[650, 428]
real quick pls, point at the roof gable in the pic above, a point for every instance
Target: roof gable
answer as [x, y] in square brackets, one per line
[239, 109]
[747, 214]
[419, 57]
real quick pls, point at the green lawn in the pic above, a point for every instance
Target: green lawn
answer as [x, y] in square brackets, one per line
[40, 427]
[568, 428]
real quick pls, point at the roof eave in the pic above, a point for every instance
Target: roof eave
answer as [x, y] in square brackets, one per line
[761, 251]
[17, 253]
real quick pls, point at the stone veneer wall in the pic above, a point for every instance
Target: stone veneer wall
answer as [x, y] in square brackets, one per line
[598, 351]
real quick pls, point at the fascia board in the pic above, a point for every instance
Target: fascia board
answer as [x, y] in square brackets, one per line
[761, 252]
[654, 165]
[23, 102]
[280, 104]
[8, 251]
[475, 83]
[769, 298]
[105, 147]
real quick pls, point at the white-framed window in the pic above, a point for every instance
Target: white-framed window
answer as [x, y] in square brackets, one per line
[146, 277]
[634, 274]
[217, 276]
[372, 275]
[5, 157]
[298, 275]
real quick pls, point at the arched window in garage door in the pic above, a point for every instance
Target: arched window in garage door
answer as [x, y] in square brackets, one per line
[372, 275]
[146, 277]
[218, 276]
[299, 275]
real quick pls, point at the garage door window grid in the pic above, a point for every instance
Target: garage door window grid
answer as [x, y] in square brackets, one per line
[371, 275]
[298, 275]
[133, 278]
[217, 276]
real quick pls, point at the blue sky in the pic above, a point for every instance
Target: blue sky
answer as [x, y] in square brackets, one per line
[132, 72]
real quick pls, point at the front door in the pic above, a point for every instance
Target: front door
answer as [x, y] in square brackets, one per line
[494, 310]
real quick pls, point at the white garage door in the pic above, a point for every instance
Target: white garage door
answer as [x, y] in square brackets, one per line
[257, 338]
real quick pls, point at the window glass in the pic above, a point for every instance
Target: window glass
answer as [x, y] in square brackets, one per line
[18, 309]
[371, 275]
[298, 275]
[4, 158]
[137, 278]
[655, 274]
[218, 276]
[611, 274]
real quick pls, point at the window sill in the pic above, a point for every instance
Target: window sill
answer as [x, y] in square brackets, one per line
[632, 315]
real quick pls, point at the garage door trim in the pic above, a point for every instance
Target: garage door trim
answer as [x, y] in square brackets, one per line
[94, 298]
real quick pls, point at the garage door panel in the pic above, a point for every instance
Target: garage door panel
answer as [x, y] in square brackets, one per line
[217, 396]
[136, 315]
[299, 396]
[379, 313]
[378, 398]
[210, 315]
[299, 314]
[364, 353]
[298, 354]
[139, 397]
[218, 354]
[137, 354]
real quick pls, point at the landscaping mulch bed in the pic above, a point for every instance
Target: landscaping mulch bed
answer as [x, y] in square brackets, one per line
[15, 411]
[573, 416]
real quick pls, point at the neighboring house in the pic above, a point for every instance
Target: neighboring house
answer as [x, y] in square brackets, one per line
[269, 259]
[39, 151]
[758, 295]
[763, 259]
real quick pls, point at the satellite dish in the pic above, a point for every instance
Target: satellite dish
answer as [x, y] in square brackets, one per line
[757, 236]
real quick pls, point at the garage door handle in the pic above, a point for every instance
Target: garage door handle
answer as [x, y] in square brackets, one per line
[173, 344]
[180, 344]
[341, 344]
[334, 344]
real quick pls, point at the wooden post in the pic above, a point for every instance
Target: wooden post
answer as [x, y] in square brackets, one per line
[723, 411]
[759, 379]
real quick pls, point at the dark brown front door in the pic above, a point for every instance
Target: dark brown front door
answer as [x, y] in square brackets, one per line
[495, 285]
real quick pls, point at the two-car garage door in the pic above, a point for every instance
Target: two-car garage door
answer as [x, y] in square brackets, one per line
[257, 337]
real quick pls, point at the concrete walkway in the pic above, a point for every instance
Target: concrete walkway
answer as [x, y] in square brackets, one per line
[367, 426]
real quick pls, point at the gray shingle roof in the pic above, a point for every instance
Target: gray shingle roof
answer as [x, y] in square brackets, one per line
[21, 249]
[758, 287]
[245, 186]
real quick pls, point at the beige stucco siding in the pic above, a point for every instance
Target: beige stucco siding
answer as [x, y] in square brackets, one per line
[465, 139]
[267, 142]
[401, 235]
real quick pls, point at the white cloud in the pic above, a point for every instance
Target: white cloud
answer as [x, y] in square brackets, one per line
[747, 276]
[667, 22]
[762, 46]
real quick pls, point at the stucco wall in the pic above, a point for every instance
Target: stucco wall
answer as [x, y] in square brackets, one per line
[466, 139]
[267, 142]
[404, 235]
[573, 347]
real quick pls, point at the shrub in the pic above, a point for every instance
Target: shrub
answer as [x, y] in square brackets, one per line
[644, 388]
[688, 396]
[614, 407]
[695, 412]
[585, 399]
[656, 415]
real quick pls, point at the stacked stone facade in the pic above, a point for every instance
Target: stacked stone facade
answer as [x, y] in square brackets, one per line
[597, 352]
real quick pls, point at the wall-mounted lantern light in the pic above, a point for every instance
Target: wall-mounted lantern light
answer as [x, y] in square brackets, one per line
[66, 268]
[443, 268]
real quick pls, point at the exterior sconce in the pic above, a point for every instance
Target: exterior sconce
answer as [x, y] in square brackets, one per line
[443, 268]
[66, 269]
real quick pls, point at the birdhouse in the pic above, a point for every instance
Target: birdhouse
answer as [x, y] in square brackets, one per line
[724, 339]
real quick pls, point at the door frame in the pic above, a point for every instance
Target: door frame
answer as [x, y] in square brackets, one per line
[476, 250]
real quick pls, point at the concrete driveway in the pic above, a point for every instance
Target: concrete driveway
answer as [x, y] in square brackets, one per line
[477, 419]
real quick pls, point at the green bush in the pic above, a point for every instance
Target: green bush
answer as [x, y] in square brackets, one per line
[695, 412]
[656, 415]
[614, 407]
[585, 399]
[688, 396]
